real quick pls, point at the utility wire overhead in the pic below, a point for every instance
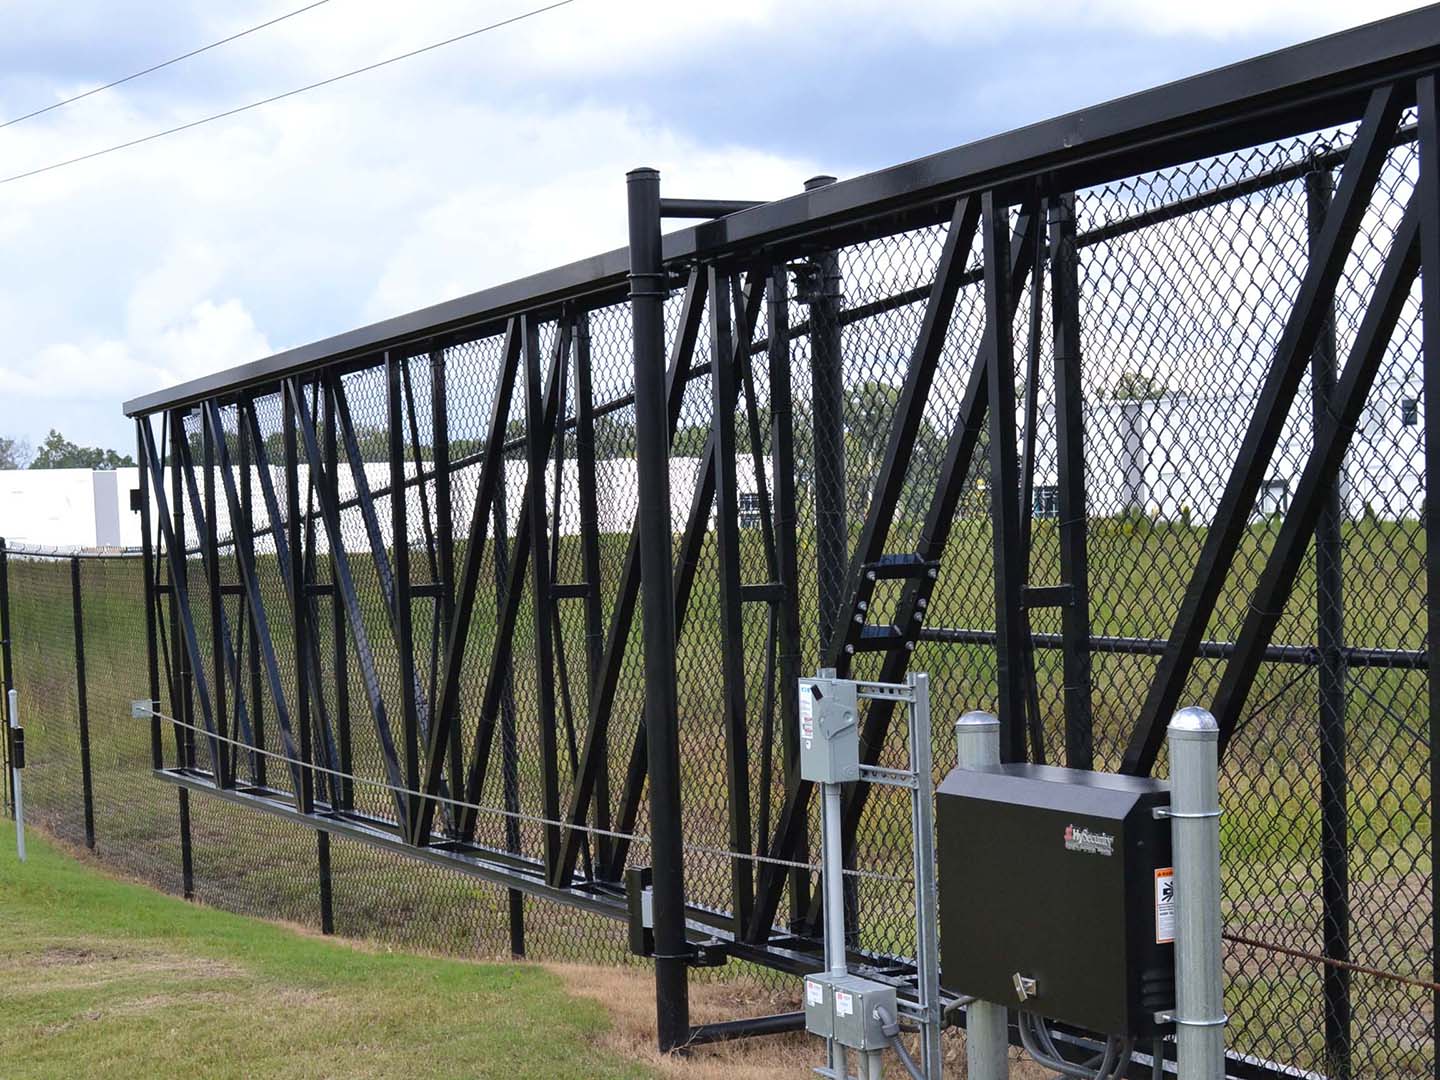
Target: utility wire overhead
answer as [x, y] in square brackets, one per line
[287, 94]
[164, 63]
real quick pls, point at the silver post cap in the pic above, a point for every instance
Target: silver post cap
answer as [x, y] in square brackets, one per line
[977, 718]
[1194, 722]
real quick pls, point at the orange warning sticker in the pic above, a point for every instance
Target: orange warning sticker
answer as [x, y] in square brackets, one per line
[1165, 905]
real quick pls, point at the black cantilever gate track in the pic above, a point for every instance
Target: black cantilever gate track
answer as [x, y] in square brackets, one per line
[1111, 414]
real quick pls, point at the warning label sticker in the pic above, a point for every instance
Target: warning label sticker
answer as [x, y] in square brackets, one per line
[1165, 905]
[844, 1003]
[807, 717]
[814, 992]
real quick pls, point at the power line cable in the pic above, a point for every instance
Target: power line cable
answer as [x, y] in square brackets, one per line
[287, 94]
[164, 64]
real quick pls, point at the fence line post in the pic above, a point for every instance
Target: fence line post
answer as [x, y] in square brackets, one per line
[82, 702]
[7, 671]
[327, 904]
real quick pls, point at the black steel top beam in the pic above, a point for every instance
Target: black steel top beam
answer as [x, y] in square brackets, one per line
[1283, 93]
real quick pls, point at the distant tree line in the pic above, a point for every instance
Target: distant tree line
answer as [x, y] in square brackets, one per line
[58, 452]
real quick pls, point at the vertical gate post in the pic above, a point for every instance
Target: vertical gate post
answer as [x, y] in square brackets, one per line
[245, 541]
[1428, 191]
[444, 547]
[1330, 636]
[7, 673]
[1011, 638]
[1070, 472]
[152, 646]
[827, 383]
[590, 559]
[210, 544]
[82, 702]
[182, 699]
[782, 441]
[509, 763]
[339, 643]
[647, 311]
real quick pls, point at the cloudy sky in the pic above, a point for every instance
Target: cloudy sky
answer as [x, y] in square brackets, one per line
[492, 158]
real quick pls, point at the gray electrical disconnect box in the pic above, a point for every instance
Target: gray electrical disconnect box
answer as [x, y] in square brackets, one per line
[844, 1008]
[829, 730]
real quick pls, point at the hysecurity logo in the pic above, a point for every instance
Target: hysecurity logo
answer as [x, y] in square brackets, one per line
[1088, 841]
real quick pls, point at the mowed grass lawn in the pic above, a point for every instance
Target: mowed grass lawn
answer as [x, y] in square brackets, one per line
[103, 978]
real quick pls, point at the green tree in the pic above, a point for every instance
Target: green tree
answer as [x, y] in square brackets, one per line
[14, 453]
[58, 452]
[1138, 386]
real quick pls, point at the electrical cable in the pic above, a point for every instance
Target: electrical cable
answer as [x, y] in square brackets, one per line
[163, 64]
[287, 94]
[890, 1028]
[533, 819]
[1038, 1042]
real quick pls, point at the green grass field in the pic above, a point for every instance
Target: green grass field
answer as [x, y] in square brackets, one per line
[103, 978]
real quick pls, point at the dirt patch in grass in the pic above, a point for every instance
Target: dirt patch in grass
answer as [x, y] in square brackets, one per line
[57, 967]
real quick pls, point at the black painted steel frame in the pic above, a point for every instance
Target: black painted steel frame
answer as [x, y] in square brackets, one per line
[1010, 206]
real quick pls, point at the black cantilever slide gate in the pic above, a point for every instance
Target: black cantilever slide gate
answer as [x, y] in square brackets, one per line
[422, 612]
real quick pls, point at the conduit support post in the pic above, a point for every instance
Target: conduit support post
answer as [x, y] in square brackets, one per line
[1194, 739]
[987, 1024]
[648, 293]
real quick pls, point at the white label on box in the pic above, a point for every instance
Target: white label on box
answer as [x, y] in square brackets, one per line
[807, 716]
[814, 992]
[1165, 905]
[844, 1003]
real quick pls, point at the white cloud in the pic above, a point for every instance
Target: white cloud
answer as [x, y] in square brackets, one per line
[206, 337]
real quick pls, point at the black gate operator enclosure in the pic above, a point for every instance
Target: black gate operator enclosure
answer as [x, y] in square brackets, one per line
[1056, 894]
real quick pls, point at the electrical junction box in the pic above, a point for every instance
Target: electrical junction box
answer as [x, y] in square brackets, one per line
[843, 1008]
[1056, 894]
[829, 731]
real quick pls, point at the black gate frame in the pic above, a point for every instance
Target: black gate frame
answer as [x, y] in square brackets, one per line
[740, 259]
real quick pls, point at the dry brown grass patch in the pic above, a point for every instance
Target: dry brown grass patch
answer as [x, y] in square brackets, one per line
[628, 995]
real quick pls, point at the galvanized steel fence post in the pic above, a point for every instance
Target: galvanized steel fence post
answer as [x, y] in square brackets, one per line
[987, 1024]
[1194, 739]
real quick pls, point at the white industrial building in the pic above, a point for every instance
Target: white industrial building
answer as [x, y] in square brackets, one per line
[1168, 458]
